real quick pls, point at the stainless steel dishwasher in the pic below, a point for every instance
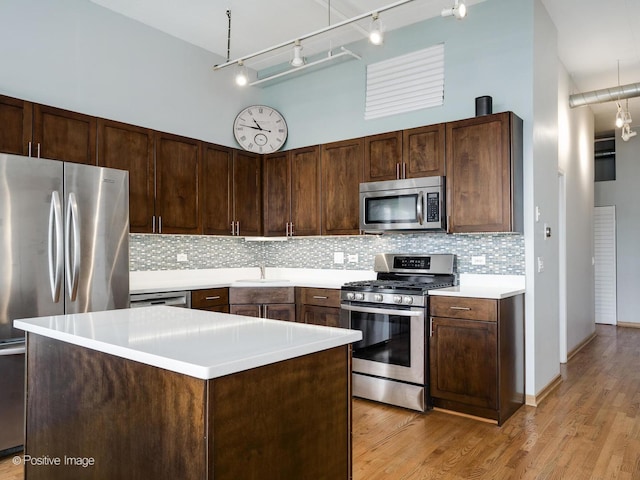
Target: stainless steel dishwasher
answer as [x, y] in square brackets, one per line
[174, 299]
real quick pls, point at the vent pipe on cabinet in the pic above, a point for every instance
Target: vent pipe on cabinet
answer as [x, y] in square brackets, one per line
[612, 94]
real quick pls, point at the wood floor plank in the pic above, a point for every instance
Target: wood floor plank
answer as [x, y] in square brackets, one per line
[588, 428]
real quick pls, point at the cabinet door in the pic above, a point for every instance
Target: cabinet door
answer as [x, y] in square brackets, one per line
[247, 192]
[463, 361]
[275, 311]
[246, 310]
[177, 164]
[479, 174]
[423, 151]
[341, 167]
[276, 182]
[127, 147]
[383, 157]
[64, 135]
[15, 121]
[217, 189]
[315, 315]
[305, 191]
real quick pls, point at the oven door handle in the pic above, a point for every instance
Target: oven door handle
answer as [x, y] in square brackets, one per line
[389, 311]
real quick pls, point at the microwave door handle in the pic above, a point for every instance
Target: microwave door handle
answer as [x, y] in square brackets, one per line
[420, 207]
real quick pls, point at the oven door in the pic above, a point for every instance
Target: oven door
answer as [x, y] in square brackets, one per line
[393, 341]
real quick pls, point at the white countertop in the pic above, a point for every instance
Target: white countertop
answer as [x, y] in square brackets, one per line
[484, 286]
[197, 343]
[168, 280]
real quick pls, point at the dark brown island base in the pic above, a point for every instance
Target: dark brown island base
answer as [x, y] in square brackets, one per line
[95, 414]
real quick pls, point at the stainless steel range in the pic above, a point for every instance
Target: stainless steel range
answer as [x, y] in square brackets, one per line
[390, 363]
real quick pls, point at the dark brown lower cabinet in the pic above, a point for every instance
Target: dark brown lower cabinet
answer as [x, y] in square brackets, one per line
[477, 355]
[318, 306]
[125, 419]
[211, 299]
[276, 303]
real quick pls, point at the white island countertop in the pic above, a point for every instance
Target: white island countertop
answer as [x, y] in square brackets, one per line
[197, 343]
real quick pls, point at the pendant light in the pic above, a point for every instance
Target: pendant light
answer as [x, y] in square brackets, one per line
[376, 30]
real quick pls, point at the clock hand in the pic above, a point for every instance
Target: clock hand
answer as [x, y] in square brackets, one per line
[257, 124]
[251, 126]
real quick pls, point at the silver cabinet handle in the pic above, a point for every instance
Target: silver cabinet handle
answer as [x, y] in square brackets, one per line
[29, 149]
[404, 170]
[159, 223]
[38, 150]
[397, 171]
[265, 311]
[286, 229]
[419, 207]
[72, 232]
[291, 230]
[55, 246]
[5, 352]
[430, 327]
[216, 297]
[460, 308]
[238, 227]
[232, 230]
[320, 297]
[153, 224]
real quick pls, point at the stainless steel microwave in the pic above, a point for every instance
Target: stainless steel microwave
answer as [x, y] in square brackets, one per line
[409, 204]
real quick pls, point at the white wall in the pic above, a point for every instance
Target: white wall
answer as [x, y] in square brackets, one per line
[77, 55]
[625, 195]
[542, 324]
[575, 159]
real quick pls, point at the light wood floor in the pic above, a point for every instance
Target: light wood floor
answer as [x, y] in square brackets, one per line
[588, 428]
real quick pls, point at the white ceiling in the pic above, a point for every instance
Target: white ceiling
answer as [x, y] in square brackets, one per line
[593, 35]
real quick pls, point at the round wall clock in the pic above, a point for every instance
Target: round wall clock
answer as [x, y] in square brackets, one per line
[260, 129]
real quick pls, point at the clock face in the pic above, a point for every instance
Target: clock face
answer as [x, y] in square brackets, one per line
[260, 129]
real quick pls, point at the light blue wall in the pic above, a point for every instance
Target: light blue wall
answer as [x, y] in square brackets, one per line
[489, 53]
[76, 55]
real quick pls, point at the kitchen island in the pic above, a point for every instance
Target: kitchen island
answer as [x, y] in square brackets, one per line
[163, 392]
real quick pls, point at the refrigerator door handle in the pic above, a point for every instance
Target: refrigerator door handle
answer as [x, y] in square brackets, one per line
[72, 235]
[55, 243]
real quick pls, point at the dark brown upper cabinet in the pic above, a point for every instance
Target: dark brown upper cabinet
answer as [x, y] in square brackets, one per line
[16, 118]
[63, 135]
[342, 173]
[131, 148]
[383, 157]
[291, 186]
[47, 132]
[484, 174]
[177, 204]
[247, 193]
[423, 151]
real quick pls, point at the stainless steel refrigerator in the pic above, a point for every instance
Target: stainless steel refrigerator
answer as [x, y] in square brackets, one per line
[64, 248]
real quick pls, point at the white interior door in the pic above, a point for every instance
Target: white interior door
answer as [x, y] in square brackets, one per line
[604, 236]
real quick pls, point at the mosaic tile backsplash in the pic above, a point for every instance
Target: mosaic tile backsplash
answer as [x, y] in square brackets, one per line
[504, 253]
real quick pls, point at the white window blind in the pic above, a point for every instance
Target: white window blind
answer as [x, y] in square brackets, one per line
[604, 233]
[405, 83]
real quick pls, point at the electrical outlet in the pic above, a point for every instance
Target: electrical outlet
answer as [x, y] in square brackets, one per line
[338, 257]
[352, 258]
[540, 264]
[478, 260]
[182, 257]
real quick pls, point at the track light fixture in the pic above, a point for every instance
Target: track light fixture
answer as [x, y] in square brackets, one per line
[376, 30]
[619, 116]
[459, 10]
[242, 76]
[627, 133]
[297, 60]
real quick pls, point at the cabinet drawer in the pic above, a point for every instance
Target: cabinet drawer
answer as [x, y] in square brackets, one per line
[322, 297]
[260, 295]
[211, 297]
[483, 309]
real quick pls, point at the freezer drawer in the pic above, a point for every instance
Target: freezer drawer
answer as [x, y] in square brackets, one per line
[11, 398]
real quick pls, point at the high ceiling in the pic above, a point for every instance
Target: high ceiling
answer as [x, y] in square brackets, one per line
[593, 35]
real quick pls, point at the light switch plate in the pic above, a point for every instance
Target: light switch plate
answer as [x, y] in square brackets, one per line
[338, 257]
[182, 257]
[478, 260]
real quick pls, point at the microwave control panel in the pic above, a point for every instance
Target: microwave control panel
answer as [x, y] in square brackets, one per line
[433, 207]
